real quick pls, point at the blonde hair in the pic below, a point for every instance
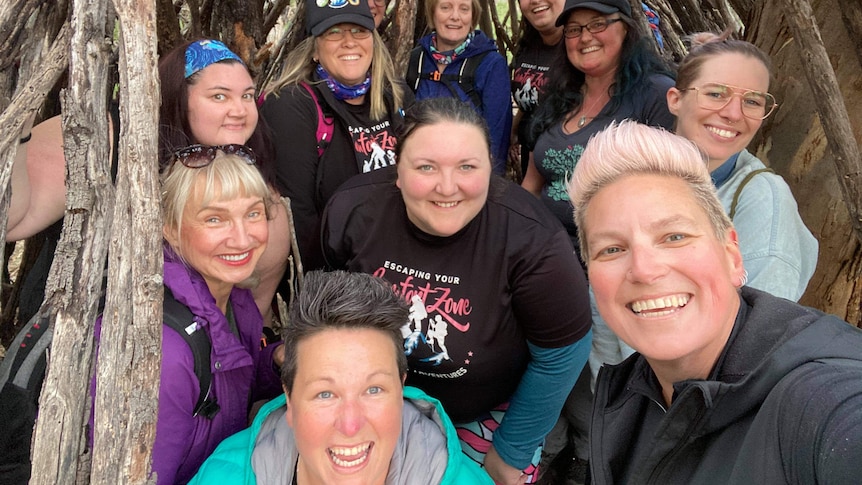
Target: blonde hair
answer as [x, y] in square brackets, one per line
[300, 65]
[227, 177]
[631, 148]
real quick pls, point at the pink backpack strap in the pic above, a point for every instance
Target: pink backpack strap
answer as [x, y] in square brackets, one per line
[324, 124]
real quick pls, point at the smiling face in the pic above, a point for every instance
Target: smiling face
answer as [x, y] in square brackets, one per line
[347, 59]
[724, 132]
[221, 107]
[542, 14]
[662, 279]
[453, 21]
[345, 406]
[222, 239]
[444, 171]
[378, 11]
[596, 54]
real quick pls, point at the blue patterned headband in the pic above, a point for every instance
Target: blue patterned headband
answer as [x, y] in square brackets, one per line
[202, 53]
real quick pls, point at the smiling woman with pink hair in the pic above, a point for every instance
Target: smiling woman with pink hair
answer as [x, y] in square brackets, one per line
[729, 384]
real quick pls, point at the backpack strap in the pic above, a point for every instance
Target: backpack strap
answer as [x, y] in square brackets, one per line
[414, 67]
[324, 123]
[179, 318]
[465, 79]
[739, 188]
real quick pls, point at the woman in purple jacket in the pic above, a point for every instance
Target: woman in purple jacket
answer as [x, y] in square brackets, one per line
[215, 230]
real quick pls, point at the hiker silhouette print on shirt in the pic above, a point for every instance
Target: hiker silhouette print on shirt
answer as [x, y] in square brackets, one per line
[374, 145]
[532, 80]
[436, 315]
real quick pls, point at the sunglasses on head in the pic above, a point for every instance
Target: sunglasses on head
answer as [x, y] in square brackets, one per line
[199, 156]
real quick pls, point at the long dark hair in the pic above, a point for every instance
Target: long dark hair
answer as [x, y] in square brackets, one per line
[174, 129]
[638, 61]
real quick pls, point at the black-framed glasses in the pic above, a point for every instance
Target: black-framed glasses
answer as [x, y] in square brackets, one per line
[573, 30]
[756, 105]
[199, 156]
[337, 33]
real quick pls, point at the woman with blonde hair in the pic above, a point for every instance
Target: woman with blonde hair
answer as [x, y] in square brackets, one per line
[332, 113]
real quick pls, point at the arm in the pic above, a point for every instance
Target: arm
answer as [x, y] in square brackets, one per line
[655, 111]
[536, 404]
[533, 180]
[292, 120]
[778, 251]
[497, 107]
[557, 327]
[38, 181]
[178, 389]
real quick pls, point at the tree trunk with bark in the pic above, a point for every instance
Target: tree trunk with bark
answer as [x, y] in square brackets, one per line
[795, 142]
[130, 344]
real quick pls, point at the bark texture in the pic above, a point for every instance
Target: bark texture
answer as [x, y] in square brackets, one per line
[130, 343]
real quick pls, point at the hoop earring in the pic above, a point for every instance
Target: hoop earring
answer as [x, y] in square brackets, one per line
[744, 279]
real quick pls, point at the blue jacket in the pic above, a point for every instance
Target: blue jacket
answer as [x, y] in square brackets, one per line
[492, 84]
[267, 451]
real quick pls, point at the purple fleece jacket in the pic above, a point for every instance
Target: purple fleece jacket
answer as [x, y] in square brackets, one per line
[242, 373]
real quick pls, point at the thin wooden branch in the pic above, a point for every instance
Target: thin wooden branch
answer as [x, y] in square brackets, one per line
[75, 280]
[129, 361]
[830, 106]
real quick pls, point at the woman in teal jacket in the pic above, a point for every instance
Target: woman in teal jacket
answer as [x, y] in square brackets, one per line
[345, 413]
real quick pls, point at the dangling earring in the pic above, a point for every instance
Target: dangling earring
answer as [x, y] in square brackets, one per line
[744, 279]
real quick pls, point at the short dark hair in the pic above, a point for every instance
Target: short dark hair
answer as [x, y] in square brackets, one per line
[342, 300]
[431, 111]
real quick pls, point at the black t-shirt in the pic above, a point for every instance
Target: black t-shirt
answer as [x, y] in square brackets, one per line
[476, 297]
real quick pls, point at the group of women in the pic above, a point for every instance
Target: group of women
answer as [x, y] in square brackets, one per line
[500, 322]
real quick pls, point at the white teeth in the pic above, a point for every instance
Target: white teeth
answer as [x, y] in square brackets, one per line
[350, 58]
[446, 205]
[590, 49]
[234, 257]
[346, 455]
[665, 305]
[721, 133]
[540, 9]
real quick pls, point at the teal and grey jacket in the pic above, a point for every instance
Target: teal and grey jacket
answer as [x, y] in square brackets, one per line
[428, 450]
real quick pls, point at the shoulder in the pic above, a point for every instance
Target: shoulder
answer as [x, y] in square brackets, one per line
[230, 463]
[376, 187]
[766, 188]
[290, 96]
[515, 202]
[660, 82]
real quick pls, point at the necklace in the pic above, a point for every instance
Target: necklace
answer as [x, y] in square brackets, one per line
[583, 119]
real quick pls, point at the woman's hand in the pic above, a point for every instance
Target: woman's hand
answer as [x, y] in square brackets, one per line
[501, 472]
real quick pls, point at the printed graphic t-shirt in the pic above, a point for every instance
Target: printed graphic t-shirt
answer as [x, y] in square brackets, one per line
[475, 297]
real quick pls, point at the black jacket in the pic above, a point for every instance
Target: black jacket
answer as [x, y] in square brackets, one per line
[783, 405]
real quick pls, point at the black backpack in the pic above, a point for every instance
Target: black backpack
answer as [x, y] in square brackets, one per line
[22, 373]
[465, 79]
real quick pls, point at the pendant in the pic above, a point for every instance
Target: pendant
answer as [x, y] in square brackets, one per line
[582, 121]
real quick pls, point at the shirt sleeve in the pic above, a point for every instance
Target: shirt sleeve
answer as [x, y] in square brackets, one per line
[292, 120]
[178, 390]
[778, 251]
[550, 297]
[536, 404]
